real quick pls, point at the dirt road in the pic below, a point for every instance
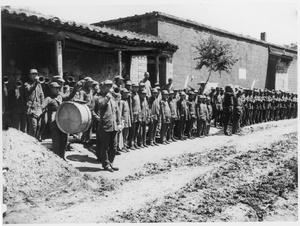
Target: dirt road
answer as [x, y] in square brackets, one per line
[251, 177]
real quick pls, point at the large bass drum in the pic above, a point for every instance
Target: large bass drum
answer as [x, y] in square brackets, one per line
[72, 117]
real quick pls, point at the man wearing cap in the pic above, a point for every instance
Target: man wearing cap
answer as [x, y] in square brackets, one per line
[182, 115]
[108, 126]
[34, 99]
[191, 114]
[237, 111]
[154, 112]
[119, 81]
[18, 103]
[50, 106]
[125, 117]
[218, 100]
[227, 107]
[147, 84]
[165, 116]
[86, 95]
[144, 119]
[202, 115]
[174, 117]
[136, 114]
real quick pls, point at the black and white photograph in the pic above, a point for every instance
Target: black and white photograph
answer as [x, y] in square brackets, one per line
[149, 112]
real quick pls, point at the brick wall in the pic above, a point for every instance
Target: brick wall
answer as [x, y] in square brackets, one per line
[99, 66]
[252, 57]
[292, 77]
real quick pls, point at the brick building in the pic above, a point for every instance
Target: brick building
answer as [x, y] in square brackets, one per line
[260, 64]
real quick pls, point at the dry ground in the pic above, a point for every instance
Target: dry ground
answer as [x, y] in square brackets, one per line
[247, 177]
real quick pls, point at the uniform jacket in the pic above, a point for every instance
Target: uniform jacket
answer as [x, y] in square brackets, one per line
[154, 108]
[125, 113]
[136, 108]
[144, 116]
[201, 111]
[173, 108]
[108, 112]
[165, 111]
[34, 98]
[182, 109]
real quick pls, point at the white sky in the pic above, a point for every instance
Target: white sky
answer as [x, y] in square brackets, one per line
[277, 18]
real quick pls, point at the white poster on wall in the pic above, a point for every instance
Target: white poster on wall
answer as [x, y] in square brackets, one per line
[137, 68]
[242, 73]
[281, 82]
[169, 69]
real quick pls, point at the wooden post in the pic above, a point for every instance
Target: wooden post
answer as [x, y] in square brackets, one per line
[58, 55]
[157, 67]
[120, 62]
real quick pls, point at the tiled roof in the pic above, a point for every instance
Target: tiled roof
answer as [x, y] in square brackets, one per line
[103, 33]
[191, 23]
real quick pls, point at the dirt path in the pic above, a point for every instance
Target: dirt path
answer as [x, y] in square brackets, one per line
[178, 182]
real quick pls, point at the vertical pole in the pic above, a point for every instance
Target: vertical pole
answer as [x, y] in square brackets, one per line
[120, 62]
[58, 54]
[157, 67]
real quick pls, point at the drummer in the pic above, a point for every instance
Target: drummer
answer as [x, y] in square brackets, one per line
[50, 106]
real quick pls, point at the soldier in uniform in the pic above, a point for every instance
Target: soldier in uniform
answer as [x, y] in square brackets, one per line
[144, 119]
[237, 111]
[35, 97]
[192, 114]
[109, 125]
[227, 107]
[174, 116]
[154, 109]
[125, 118]
[182, 115]
[165, 117]
[202, 115]
[51, 105]
[218, 107]
[136, 114]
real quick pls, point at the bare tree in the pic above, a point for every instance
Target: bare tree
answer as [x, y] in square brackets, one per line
[215, 55]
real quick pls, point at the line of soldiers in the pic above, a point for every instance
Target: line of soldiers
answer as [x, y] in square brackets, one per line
[129, 116]
[251, 106]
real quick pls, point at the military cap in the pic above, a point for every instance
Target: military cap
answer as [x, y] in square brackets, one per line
[171, 92]
[182, 93]
[157, 84]
[54, 85]
[135, 85]
[88, 79]
[118, 77]
[154, 90]
[143, 91]
[142, 84]
[124, 90]
[57, 78]
[33, 71]
[207, 98]
[164, 92]
[108, 82]
[191, 93]
[128, 83]
[95, 83]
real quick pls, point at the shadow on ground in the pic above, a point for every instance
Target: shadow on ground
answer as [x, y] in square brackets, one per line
[82, 158]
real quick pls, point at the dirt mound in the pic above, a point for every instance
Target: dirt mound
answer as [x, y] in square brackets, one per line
[36, 172]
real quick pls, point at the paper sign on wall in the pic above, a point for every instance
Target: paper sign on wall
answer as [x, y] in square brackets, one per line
[242, 73]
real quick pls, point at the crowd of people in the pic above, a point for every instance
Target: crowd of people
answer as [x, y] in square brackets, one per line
[128, 116]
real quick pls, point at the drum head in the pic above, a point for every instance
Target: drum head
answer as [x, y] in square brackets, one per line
[68, 117]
